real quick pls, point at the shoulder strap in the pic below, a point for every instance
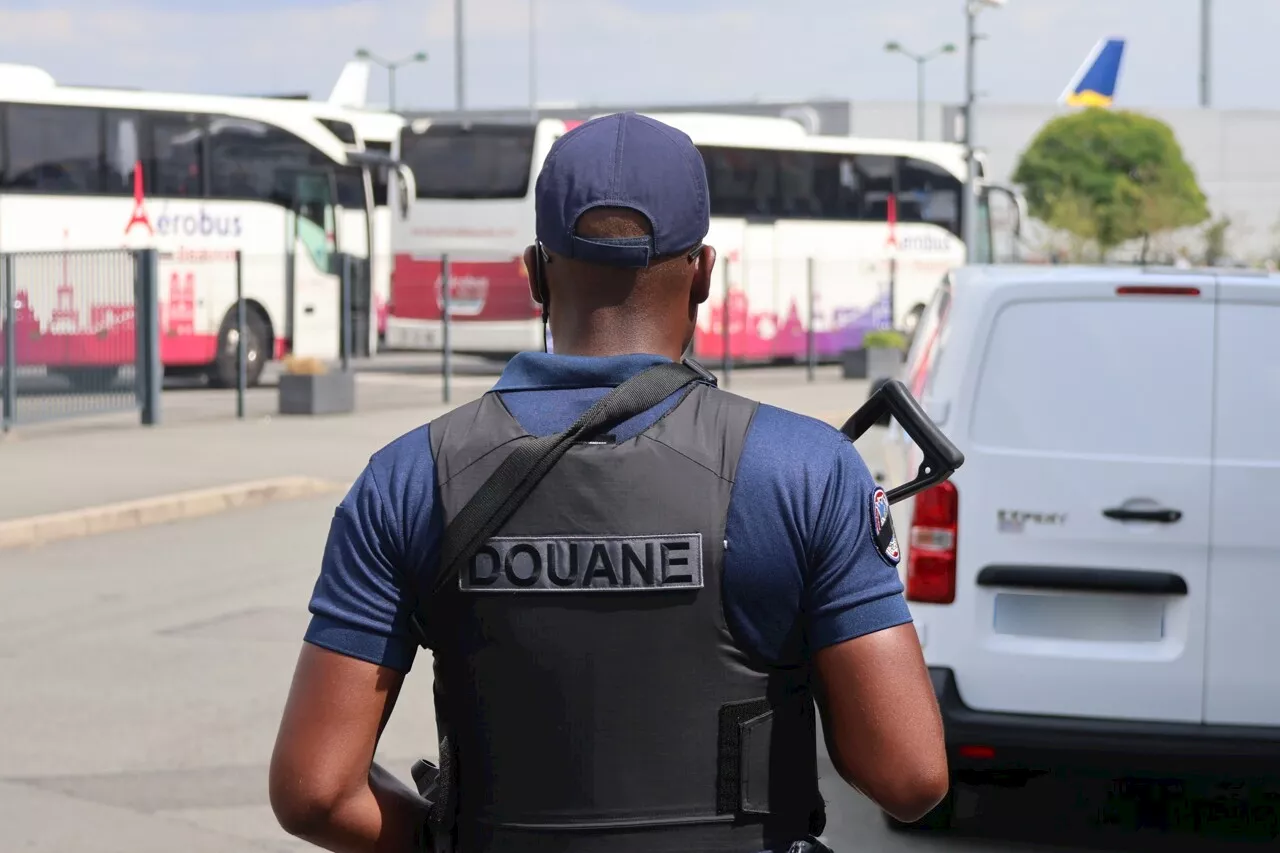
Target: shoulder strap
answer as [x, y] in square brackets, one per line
[514, 480]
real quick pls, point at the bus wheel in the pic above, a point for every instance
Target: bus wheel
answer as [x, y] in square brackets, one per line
[223, 371]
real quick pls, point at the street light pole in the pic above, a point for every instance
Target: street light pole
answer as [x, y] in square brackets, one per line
[970, 207]
[920, 60]
[533, 60]
[1206, 21]
[970, 221]
[459, 74]
[420, 56]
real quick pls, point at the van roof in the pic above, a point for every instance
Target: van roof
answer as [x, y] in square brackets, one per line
[1000, 276]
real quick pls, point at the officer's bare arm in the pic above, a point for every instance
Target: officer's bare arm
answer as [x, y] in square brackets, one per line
[325, 787]
[881, 720]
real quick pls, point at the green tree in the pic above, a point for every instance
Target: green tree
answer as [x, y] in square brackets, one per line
[1215, 241]
[1109, 177]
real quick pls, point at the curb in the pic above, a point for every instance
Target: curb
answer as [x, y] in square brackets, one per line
[90, 521]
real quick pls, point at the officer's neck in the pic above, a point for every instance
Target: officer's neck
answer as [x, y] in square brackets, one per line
[608, 341]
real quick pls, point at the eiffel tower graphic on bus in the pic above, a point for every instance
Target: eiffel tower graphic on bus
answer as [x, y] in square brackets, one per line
[139, 216]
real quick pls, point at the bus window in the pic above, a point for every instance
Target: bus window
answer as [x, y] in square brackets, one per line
[341, 129]
[314, 218]
[54, 149]
[123, 151]
[742, 181]
[928, 193]
[177, 152]
[797, 195]
[350, 180]
[485, 161]
[877, 180]
[837, 185]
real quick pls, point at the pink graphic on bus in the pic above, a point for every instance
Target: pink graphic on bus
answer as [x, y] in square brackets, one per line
[139, 216]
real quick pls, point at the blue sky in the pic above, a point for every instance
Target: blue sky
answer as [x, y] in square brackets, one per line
[645, 50]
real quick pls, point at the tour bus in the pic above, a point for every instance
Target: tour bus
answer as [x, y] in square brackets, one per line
[197, 178]
[347, 114]
[866, 227]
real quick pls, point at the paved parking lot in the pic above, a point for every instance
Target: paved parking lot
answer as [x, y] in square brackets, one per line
[143, 672]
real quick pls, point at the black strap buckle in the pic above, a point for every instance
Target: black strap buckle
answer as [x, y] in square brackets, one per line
[697, 368]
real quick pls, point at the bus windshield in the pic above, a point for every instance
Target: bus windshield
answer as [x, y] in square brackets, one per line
[475, 161]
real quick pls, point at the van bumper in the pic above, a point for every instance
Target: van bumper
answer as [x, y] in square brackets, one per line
[979, 741]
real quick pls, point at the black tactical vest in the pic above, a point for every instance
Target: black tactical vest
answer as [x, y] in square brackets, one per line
[583, 665]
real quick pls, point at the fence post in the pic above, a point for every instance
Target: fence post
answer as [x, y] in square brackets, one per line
[8, 317]
[446, 323]
[348, 336]
[811, 349]
[242, 365]
[147, 328]
[726, 358]
[893, 286]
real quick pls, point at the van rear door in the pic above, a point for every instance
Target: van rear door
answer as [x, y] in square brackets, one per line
[1242, 678]
[1084, 503]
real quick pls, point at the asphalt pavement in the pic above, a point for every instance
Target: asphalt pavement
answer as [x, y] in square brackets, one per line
[143, 672]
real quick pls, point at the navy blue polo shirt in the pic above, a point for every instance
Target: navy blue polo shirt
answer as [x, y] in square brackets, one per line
[803, 571]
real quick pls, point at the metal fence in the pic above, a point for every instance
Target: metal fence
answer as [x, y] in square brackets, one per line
[80, 335]
[764, 306]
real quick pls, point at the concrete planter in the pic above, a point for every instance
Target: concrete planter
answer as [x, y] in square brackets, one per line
[853, 364]
[317, 394]
[874, 363]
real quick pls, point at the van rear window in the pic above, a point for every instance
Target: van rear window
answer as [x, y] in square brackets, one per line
[1130, 379]
[462, 161]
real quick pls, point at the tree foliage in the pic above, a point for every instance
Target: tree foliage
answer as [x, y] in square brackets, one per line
[1109, 177]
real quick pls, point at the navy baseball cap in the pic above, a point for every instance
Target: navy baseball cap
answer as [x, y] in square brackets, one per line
[630, 161]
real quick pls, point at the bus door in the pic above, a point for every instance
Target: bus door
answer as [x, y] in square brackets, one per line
[315, 283]
[356, 230]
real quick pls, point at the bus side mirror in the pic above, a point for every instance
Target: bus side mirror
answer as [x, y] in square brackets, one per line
[406, 189]
[1016, 201]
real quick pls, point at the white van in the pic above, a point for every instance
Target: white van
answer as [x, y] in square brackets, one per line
[1097, 584]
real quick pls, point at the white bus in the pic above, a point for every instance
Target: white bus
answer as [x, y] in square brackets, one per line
[197, 178]
[347, 114]
[875, 223]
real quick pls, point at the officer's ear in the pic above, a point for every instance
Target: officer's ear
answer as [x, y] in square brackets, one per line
[704, 262]
[535, 273]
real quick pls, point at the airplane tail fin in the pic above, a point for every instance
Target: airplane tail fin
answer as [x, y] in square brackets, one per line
[1094, 84]
[352, 89]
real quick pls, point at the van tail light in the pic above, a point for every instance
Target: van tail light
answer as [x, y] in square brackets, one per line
[931, 562]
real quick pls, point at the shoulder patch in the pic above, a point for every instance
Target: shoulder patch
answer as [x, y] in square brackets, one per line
[882, 525]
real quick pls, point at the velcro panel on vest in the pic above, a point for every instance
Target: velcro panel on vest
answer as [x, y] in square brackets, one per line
[729, 781]
[760, 742]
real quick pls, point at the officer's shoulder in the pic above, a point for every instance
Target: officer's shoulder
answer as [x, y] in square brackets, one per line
[814, 434]
[792, 443]
[404, 456]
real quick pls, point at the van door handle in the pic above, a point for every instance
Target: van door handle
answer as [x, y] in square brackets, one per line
[1159, 516]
